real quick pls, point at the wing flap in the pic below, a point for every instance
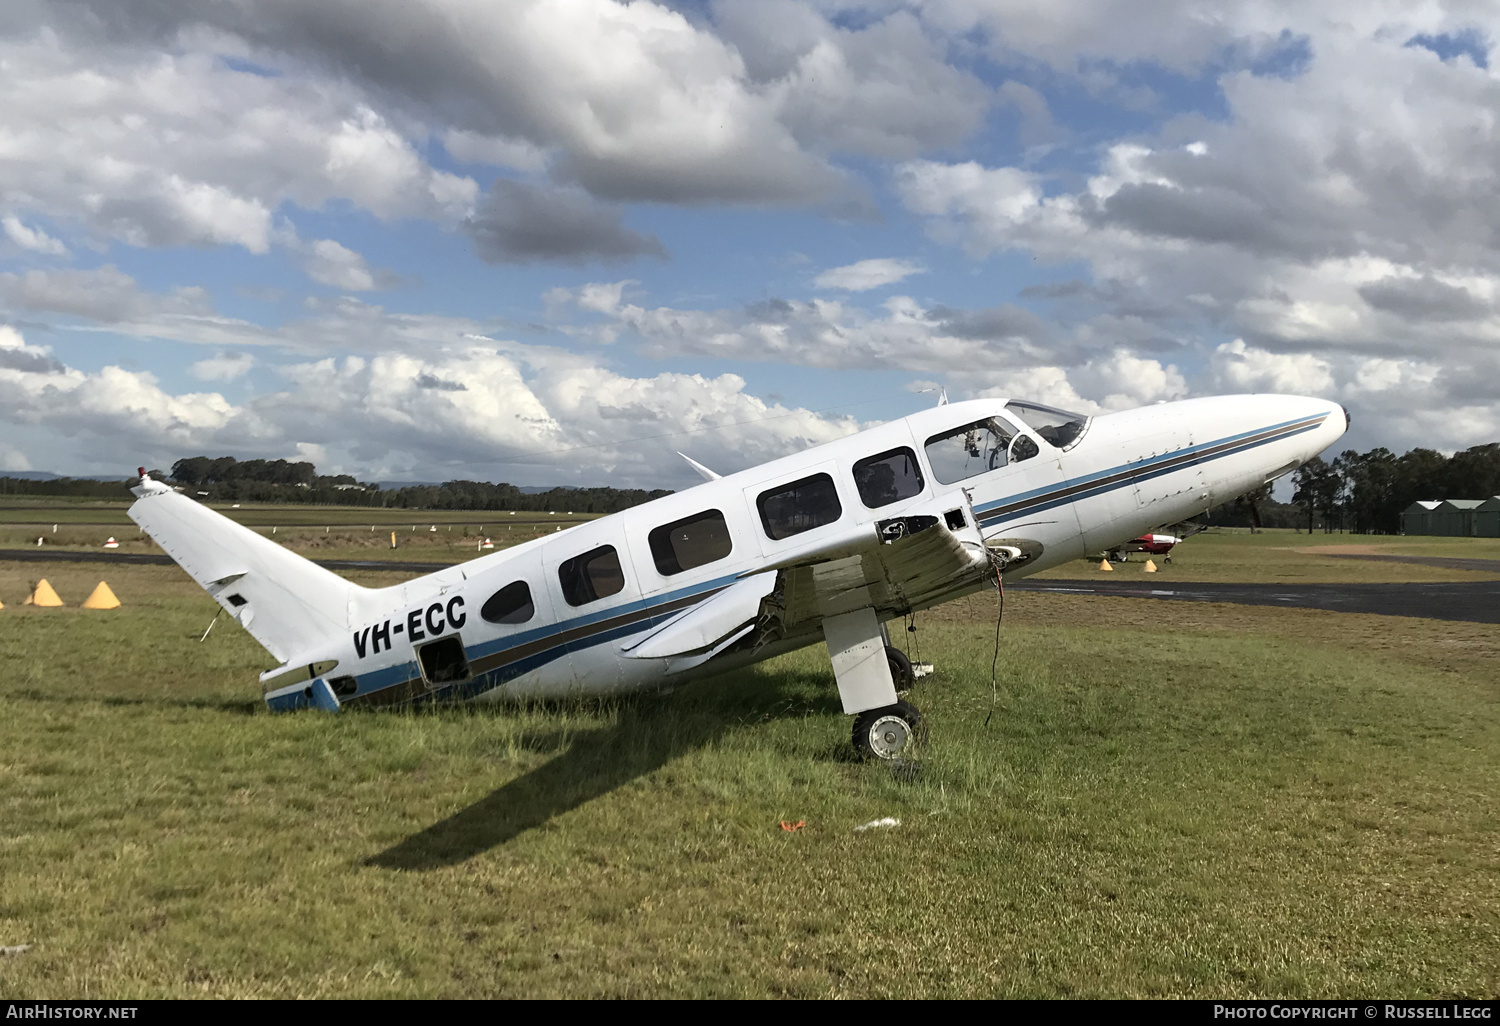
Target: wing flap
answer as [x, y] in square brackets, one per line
[708, 623]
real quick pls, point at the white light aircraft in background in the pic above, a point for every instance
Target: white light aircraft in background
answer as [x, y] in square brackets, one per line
[824, 545]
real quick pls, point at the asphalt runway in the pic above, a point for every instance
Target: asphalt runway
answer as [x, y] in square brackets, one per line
[1472, 601]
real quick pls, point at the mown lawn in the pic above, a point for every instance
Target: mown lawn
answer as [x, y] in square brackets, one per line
[1166, 800]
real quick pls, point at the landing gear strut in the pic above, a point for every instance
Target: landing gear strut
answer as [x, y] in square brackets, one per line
[889, 734]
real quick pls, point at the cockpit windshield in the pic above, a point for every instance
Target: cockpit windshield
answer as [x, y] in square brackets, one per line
[1058, 427]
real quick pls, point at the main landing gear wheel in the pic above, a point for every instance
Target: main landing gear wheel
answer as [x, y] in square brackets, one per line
[901, 671]
[889, 734]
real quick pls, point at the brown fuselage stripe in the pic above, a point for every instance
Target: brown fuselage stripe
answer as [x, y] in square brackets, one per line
[415, 687]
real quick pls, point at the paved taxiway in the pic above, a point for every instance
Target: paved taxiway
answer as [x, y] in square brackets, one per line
[1473, 601]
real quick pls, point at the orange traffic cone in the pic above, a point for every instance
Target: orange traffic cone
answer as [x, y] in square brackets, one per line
[101, 598]
[44, 595]
[1104, 565]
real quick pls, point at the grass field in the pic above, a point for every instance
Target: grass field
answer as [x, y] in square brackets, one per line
[314, 531]
[1198, 800]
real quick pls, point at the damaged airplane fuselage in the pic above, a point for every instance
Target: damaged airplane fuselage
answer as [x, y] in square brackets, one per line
[824, 545]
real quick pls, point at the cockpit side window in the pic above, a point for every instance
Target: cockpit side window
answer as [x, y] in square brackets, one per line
[1056, 427]
[799, 506]
[888, 477]
[1023, 448]
[972, 449]
[592, 576]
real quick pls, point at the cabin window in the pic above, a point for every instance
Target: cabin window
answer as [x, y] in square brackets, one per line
[1023, 448]
[972, 449]
[592, 576]
[799, 506]
[511, 604]
[1057, 427]
[888, 477]
[690, 542]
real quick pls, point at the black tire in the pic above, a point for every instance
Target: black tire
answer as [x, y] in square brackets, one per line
[890, 733]
[901, 672]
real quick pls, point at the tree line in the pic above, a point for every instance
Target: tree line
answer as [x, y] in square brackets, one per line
[230, 480]
[1365, 492]
[283, 481]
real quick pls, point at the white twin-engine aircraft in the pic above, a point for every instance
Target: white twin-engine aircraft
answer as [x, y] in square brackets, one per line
[824, 545]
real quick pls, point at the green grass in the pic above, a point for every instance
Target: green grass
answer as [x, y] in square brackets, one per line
[1168, 800]
[314, 531]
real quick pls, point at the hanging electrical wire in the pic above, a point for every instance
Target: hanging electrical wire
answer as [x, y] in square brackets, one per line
[996, 565]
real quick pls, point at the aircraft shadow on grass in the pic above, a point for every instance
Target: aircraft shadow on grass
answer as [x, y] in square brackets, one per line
[649, 732]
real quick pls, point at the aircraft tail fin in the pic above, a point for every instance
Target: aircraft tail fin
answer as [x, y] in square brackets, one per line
[287, 603]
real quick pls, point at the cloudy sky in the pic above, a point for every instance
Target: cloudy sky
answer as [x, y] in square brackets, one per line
[552, 241]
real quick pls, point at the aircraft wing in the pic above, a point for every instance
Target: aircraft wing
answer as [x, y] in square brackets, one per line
[886, 574]
[889, 571]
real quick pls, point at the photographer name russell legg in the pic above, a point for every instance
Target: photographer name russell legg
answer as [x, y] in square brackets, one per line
[1403, 1011]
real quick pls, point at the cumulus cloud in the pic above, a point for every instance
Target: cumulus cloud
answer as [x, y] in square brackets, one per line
[173, 146]
[114, 413]
[867, 274]
[492, 409]
[1338, 224]
[885, 88]
[105, 294]
[1092, 37]
[331, 263]
[520, 223]
[1263, 193]
[1329, 227]
[632, 101]
[33, 239]
[1236, 367]
[899, 334]
[224, 367]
